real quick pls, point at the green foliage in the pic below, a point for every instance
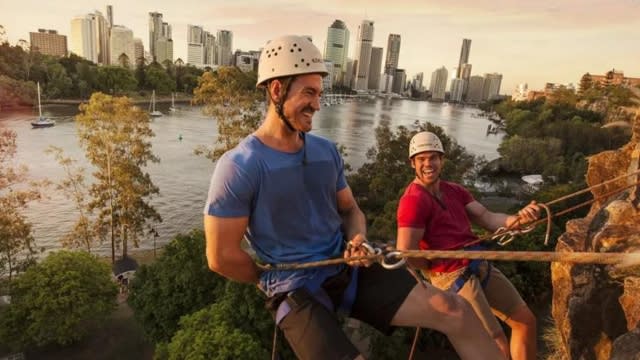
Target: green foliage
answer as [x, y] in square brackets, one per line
[116, 80]
[529, 155]
[178, 283]
[231, 97]
[380, 182]
[16, 93]
[237, 326]
[115, 136]
[58, 301]
[158, 79]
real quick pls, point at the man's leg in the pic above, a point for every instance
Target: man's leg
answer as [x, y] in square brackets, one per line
[523, 333]
[313, 331]
[427, 306]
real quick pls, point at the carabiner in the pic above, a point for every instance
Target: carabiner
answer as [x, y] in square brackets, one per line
[395, 265]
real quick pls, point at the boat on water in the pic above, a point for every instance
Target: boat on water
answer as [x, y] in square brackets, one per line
[152, 106]
[173, 103]
[42, 121]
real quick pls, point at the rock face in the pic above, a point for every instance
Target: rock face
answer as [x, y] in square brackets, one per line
[596, 308]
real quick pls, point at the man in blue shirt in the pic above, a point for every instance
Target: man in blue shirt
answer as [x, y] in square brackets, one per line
[285, 191]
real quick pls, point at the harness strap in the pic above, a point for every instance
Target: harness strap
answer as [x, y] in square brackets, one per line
[473, 268]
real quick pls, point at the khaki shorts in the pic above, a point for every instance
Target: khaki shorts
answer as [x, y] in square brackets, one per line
[498, 299]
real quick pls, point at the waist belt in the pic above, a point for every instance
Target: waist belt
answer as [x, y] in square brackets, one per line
[473, 268]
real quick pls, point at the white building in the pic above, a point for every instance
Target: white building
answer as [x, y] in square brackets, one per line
[520, 93]
[122, 44]
[90, 38]
[363, 55]
[457, 89]
[438, 85]
[336, 50]
[160, 41]
[195, 45]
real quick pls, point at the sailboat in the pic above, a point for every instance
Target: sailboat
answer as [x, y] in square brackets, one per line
[152, 107]
[173, 103]
[42, 121]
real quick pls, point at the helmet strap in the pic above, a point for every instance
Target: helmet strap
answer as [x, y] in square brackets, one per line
[284, 89]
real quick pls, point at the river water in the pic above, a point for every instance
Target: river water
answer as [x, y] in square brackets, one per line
[183, 177]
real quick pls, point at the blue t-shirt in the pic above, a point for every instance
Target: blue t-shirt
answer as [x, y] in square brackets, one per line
[290, 199]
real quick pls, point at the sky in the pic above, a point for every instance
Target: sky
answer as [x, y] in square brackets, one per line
[528, 41]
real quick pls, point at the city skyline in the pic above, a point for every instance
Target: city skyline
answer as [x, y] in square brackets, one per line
[527, 42]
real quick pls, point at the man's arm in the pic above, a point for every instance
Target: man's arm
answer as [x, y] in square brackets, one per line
[354, 226]
[224, 254]
[408, 238]
[491, 221]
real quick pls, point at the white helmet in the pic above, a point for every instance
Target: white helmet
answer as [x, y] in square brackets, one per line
[424, 141]
[287, 56]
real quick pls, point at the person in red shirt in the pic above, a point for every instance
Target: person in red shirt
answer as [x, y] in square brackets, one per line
[436, 214]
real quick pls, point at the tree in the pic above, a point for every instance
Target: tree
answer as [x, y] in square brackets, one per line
[141, 65]
[115, 136]
[178, 283]
[157, 78]
[58, 300]
[73, 186]
[231, 98]
[237, 326]
[16, 241]
[116, 79]
[123, 60]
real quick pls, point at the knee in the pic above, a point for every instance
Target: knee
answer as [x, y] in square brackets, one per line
[523, 319]
[454, 311]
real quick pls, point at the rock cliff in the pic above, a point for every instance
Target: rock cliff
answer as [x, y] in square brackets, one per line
[596, 308]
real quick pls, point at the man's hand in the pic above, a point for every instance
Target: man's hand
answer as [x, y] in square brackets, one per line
[355, 248]
[529, 213]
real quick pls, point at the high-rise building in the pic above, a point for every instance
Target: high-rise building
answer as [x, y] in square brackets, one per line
[160, 41]
[327, 81]
[110, 15]
[363, 54]
[399, 81]
[464, 55]
[474, 89]
[122, 48]
[375, 68]
[195, 45]
[393, 54]
[138, 49]
[349, 73]
[209, 49]
[438, 84]
[224, 42]
[90, 38]
[491, 87]
[48, 42]
[457, 89]
[337, 49]
[418, 81]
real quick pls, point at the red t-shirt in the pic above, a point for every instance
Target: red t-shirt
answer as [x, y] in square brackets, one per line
[446, 223]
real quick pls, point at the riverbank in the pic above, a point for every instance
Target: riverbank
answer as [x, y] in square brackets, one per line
[136, 100]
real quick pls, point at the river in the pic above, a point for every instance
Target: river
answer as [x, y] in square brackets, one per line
[183, 177]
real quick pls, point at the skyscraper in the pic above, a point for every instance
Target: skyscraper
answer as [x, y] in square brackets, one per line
[393, 54]
[110, 15]
[337, 49]
[375, 68]
[491, 88]
[138, 49]
[363, 54]
[224, 42]
[209, 49]
[122, 47]
[48, 42]
[160, 41]
[474, 89]
[90, 38]
[464, 55]
[438, 84]
[195, 45]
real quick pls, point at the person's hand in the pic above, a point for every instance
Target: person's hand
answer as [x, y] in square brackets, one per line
[529, 213]
[355, 248]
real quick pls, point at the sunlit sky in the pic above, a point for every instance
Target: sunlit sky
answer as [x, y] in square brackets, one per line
[528, 41]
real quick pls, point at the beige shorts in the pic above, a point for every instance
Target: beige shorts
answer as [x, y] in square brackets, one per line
[498, 299]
